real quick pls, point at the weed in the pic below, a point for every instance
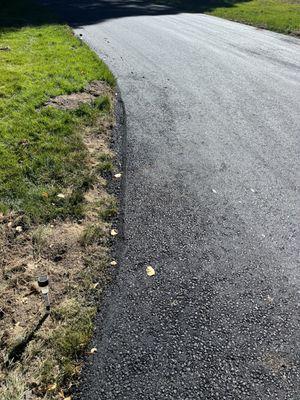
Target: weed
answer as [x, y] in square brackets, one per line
[39, 240]
[93, 234]
[107, 208]
[75, 328]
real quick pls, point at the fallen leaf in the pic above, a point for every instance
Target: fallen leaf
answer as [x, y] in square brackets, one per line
[95, 285]
[113, 263]
[45, 194]
[113, 232]
[150, 271]
[269, 299]
[19, 229]
[52, 387]
[61, 196]
[68, 398]
[93, 350]
[214, 190]
[118, 175]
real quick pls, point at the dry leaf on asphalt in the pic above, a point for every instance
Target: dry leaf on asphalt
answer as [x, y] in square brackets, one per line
[113, 263]
[93, 350]
[118, 175]
[150, 271]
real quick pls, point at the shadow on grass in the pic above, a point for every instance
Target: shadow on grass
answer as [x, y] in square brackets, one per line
[86, 12]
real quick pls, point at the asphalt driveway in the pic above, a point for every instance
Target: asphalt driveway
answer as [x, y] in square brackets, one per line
[211, 202]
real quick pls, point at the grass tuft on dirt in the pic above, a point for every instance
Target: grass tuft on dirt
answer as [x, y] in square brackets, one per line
[56, 115]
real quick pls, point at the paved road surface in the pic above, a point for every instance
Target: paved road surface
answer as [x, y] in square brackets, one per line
[212, 203]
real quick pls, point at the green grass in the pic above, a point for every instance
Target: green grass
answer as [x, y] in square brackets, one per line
[41, 151]
[48, 164]
[277, 15]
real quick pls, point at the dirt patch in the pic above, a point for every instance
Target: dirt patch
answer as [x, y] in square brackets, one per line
[72, 101]
[276, 362]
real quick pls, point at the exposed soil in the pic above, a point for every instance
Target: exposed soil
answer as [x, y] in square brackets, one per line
[72, 101]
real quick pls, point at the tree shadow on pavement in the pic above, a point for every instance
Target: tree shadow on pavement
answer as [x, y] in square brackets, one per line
[87, 12]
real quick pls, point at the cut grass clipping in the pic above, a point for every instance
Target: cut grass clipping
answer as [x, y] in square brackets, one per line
[54, 207]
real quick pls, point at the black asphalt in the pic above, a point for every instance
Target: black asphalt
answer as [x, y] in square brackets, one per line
[211, 202]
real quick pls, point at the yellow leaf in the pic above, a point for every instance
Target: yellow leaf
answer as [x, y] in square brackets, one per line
[150, 271]
[52, 387]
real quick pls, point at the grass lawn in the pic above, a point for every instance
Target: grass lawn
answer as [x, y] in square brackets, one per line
[276, 15]
[54, 206]
[41, 152]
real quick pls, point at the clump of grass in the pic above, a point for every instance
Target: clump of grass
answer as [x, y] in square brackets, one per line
[13, 387]
[107, 208]
[93, 234]
[105, 163]
[39, 240]
[103, 104]
[73, 333]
